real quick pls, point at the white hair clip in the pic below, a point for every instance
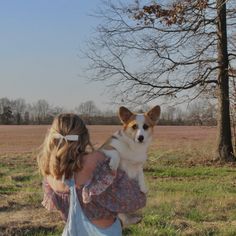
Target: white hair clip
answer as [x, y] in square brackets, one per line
[70, 137]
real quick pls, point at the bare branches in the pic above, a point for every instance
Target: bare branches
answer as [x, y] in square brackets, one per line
[143, 52]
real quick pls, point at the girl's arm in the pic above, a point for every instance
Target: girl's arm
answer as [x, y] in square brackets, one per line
[115, 192]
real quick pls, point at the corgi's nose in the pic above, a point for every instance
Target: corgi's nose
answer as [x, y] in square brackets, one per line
[140, 138]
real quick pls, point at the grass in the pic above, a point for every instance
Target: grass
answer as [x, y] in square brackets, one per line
[188, 195]
[190, 199]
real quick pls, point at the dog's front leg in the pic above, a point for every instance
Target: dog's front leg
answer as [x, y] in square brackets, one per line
[115, 158]
[127, 219]
[141, 181]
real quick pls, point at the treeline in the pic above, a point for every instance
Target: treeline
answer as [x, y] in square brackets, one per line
[19, 112]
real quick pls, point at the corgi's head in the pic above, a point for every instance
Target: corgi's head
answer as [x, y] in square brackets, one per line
[139, 127]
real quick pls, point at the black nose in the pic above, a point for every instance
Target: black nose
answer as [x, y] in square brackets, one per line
[140, 138]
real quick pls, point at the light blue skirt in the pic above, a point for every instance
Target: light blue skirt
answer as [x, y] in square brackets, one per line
[79, 225]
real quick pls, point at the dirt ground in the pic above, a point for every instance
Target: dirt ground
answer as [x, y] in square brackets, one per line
[20, 139]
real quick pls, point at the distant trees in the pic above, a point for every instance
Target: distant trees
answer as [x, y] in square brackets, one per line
[202, 113]
[88, 108]
[41, 111]
[4, 102]
[18, 111]
[26, 118]
[6, 111]
[7, 116]
[18, 107]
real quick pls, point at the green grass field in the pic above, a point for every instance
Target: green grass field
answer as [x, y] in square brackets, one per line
[188, 195]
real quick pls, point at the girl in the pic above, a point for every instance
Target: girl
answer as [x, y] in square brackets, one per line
[80, 184]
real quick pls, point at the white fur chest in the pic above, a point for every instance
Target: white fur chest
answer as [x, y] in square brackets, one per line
[130, 168]
[132, 157]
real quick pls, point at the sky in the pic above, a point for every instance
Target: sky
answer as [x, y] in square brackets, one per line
[40, 47]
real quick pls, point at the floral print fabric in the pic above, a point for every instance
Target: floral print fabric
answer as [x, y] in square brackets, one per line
[106, 195]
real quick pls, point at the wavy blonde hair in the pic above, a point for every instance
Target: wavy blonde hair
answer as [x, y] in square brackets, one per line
[58, 159]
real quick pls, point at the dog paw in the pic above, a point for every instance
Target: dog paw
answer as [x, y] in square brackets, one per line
[113, 164]
[132, 221]
[135, 220]
[144, 189]
[128, 219]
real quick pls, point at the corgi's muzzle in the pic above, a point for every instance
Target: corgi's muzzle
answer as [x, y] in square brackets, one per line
[140, 138]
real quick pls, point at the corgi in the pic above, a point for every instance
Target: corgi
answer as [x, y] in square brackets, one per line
[127, 148]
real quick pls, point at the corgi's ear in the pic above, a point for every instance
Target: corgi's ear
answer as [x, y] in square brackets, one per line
[124, 114]
[154, 114]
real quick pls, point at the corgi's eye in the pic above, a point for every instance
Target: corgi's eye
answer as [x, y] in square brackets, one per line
[134, 126]
[145, 127]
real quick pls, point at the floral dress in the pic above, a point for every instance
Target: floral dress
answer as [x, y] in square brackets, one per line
[103, 197]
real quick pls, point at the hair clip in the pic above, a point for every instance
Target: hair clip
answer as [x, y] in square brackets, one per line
[70, 137]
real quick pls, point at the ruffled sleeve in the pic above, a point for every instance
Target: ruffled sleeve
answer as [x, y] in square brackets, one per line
[102, 178]
[113, 191]
[48, 197]
[55, 201]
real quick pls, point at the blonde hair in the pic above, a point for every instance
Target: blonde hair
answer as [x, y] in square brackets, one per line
[58, 159]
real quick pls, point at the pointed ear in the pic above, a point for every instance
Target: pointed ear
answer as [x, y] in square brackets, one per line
[154, 114]
[124, 114]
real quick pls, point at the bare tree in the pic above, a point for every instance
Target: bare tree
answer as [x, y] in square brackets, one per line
[18, 107]
[170, 112]
[6, 116]
[202, 112]
[57, 110]
[87, 108]
[179, 115]
[40, 110]
[4, 102]
[148, 51]
[26, 118]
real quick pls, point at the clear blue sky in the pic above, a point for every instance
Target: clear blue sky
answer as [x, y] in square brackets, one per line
[39, 45]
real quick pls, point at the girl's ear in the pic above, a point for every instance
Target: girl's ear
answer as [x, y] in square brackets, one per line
[124, 114]
[154, 114]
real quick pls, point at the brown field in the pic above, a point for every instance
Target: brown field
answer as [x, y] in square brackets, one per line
[21, 139]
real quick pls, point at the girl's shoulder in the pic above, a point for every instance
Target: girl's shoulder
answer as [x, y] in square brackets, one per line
[91, 163]
[92, 160]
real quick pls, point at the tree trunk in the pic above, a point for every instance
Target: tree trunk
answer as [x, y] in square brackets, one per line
[224, 150]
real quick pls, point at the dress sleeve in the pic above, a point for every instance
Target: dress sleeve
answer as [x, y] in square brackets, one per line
[113, 191]
[49, 201]
[52, 201]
